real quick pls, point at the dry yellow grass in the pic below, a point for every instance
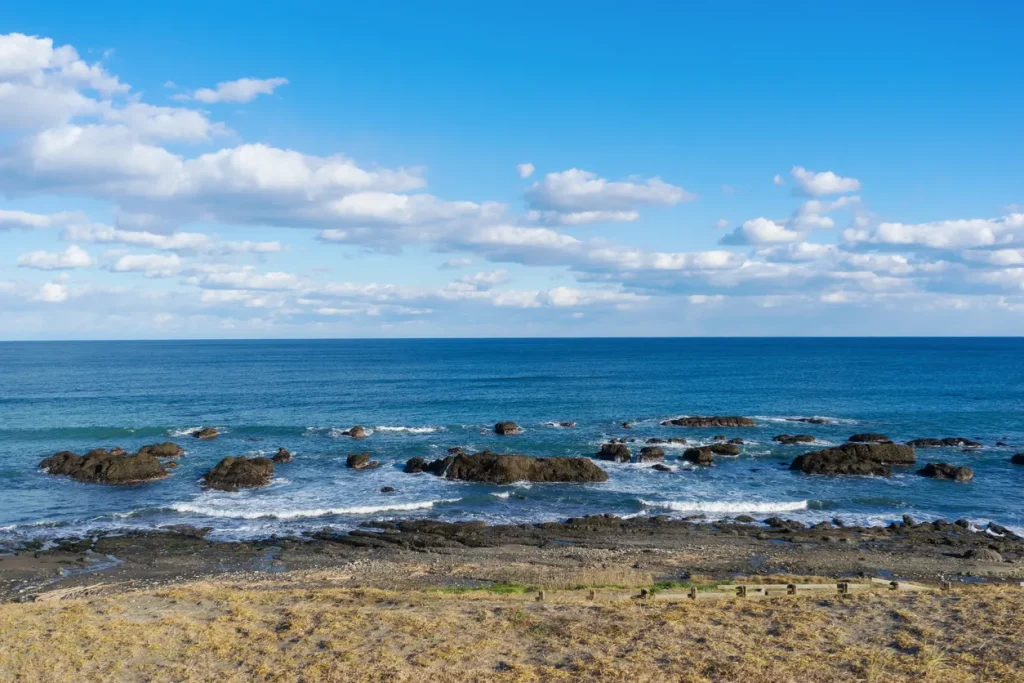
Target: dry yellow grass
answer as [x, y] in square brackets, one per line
[273, 632]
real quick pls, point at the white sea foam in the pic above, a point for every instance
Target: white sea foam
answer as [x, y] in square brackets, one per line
[727, 507]
[187, 431]
[411, 430]
[234, 513]
[503, 494]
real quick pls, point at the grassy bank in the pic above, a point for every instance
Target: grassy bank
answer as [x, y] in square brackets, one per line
[313, 632]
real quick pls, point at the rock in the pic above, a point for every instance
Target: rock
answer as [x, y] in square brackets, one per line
[711, 421]
[506, 428]
[651, 454]
[360, 461]
[415, 465]
[699, 456]
[810, 420]
[655, 441]
[506, 469]
[281, 456]
[614, 452]
[627, 425]
[170, 465]
[167, 449]
[718, 437]
[355, 432]
[725, 449]
[793, 439]
[948, 442]
[387, 489]
[855, 458]
[779, 523]
[679, 440]
[117, 450]
[206, 433]
[231, 474]
[105, 467]
[661, 468]
[455, 450]
[1018, 459]
[982, 555]
[744, 519]
[946, 471]
[737, 441]
[568, 425]
[1001, 444]
[869, 437]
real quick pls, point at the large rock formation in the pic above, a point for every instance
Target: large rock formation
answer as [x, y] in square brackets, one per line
[506, 469]
[231, 474]
[699, 456]
[943, 470]
[855, 458]
[506, 428]
[711, 421]
[206, 433]
[436, 467]
[99, 466]
[167, 449]
[614, 452]
[948, 442]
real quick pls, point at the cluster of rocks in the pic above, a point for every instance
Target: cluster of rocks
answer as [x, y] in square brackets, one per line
[946, 471]
[710, 421]
[491, 468]
[705, 455]
[856, 457]
[114, 466]
[948, 442]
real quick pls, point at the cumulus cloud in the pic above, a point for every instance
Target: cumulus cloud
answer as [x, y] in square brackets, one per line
[761, 231]
[241, 91]
[151, 265]
[185, 242]
[952, 234]
[779, 180]
[52, 293]
[24, 220]
[72, 257]
[525, 170]
[822, 184]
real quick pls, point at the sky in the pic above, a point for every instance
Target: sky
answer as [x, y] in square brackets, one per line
[466, 169]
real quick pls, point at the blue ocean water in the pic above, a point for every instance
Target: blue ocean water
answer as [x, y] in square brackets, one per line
[419, 397]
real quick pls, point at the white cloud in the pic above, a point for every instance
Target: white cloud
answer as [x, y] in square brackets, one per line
[761, 231]
[952, 234]
[10, 219]
[72, 257]
[151, 265]
[52, 293]
[485, 280]
[455, 263]
[185, 242]
[243, 90]
[525, 170]
[824, 183]
[779, 180]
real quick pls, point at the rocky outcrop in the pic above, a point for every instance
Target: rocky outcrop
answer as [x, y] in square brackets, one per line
[651, 454]
[614, 452]
[206, 433]
[360, 461]
[948, 442]
[355, 432]
[99, 466]
[167, 449]
[793, 439]
[282, 455]
[435, 467]
[725, 449]
[869, 437]
[699, 456]
[855, 458]
[231, 474]
[507, 428]
[943, 470]
[711, 421]
[506, 469]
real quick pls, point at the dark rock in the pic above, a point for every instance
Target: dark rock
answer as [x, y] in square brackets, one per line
[946, 471]
[793, 439]
[983, 555]
[440, 466]
[567, 425]
[506, 469]
[655, 441]
[810, 420]
[711, 421]
[678, 440]
[167, 449]
[360, 461]
[724, 449]
[387, 489]
[281, 456]
[627, 425]
[455, 450]
[171, 465]
[104, 467]
[231, 474]
[614, 452]
[206, 433]
[870, 437]
[719, 437]
[737, 441]
[779, 523]
[699, 456]
[855, 458]
[415, 465]
[1018, 459]
[355, 432]
[661, 468]
[651, 454]
[1001, 444]
[506, 428]
[948, 442]
[744, 519]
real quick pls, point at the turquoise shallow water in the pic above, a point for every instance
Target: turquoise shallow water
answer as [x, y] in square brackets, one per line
[421, 396]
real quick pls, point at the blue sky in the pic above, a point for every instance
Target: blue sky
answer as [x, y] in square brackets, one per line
[266, 170]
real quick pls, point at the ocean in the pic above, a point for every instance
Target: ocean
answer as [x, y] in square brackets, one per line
[420, 397]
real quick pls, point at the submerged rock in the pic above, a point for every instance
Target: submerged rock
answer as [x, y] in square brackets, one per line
[231, 474]
[793, 439]
[711, 421]
[507, 428]
[948, 442]
[99, 466]
[855, 458]
[651, 454]
[614, 452]
[167, 449]
[810, 420]
[282, 455]
[737, 441]
[1018, 459]
[943, 470]
[506, 469]
[870, 437]
[360, 461]
[206, 433]
[661, 468]
[387, 489]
